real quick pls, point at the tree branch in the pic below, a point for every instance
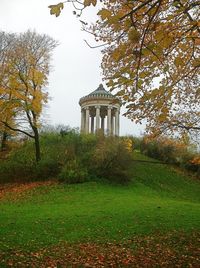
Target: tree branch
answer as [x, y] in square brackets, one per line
[136, 9]
[18, 130]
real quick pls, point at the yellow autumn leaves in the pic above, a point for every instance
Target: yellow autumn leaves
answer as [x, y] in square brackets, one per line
[104, 13]
[24, 73]
[89, 2]
[134, 35]
[128, 144]
[56, 9]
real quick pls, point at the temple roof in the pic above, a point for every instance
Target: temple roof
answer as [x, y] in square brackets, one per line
[100, 91]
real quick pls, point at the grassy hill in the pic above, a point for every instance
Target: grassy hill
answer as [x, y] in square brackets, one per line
[158, 201]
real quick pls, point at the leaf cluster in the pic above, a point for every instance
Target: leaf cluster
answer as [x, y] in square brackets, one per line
[79, 5]
[151, 60]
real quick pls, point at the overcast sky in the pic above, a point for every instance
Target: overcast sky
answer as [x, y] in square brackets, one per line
[76, 67]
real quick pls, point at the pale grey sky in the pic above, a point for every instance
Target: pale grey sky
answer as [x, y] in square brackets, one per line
[76, 67]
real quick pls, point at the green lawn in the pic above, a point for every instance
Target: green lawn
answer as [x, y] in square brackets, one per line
[157, 200]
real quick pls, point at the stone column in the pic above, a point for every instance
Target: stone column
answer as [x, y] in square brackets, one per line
[109, 120]
[82, 120]
[112, 124]
[102, 123]
[97, 117]
[92, 124]
[87, 117]
[117, 122]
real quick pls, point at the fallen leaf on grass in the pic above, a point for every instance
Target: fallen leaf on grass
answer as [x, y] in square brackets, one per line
[15, 191]
[176, 249]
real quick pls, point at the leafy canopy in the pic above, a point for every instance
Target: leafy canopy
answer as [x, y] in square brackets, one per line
[24, 65]
[151, 59]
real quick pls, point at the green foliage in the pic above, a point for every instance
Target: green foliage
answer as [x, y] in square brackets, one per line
[46, 168]
[111, 159]
[171, 151]
[74, 157]
[73, 172]
[19, 165]
[77, 158]
[158, 150]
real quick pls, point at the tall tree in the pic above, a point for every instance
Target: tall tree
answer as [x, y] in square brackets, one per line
[6, 43]
[27, 69]
[151, 59]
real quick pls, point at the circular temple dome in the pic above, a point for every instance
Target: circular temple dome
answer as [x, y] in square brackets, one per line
[100, 92]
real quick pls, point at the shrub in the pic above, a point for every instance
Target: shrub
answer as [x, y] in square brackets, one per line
[110, 160]
[163, 149]
[171, 151]
[11, 171]
[19, 165]
[73, 172]
[88, 142]
[72, 157]
[46, 168]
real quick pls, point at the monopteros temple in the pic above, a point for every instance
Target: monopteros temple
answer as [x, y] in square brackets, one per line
[100, 110]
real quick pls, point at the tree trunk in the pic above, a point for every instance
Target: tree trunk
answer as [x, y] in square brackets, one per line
[3, 141]
[37, 144]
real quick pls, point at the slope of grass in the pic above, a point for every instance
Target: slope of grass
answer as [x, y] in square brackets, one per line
[157, 200]
[165, 180]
